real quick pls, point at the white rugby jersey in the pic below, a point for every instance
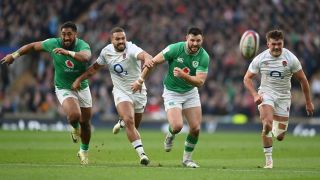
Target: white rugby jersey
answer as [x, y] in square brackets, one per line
[124, 66]
[276, 72]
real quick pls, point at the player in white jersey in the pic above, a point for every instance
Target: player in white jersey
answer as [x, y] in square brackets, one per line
[276, 66]
[123, 59]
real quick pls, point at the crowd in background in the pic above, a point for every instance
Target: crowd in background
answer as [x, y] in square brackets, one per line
[153, 25]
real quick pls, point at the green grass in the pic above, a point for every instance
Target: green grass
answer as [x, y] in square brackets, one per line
[51, 155]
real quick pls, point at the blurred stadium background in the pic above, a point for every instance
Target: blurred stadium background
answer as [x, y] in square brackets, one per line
[26, 87]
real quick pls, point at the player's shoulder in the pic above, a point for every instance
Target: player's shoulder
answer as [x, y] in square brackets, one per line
[286, 52]
[263, 55]
[81, 41]
[51, 40]
[130, 45]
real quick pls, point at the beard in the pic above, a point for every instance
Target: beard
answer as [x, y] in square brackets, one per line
[120, 47]
[190, 49]
[69, 46]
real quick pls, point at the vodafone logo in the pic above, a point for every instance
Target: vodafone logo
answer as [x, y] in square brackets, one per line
[186, 70]
[69, 64]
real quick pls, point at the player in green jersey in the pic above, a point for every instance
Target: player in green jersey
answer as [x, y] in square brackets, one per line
[70, 57]
[188, 67]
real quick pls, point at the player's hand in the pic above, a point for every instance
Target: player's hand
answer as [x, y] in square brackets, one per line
[149, 63]
[177, 72]
[61, 51]
[257, 99]
[136, 86]
[8, 59]
[309, 108]
[76, 85]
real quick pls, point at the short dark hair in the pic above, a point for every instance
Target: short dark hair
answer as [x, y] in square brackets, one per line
[69, 24]
[116, 29]
[275, 34]
[195, 31]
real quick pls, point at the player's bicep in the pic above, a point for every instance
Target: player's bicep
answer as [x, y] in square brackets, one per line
[37, 46]
[249, 75]
[299, 75]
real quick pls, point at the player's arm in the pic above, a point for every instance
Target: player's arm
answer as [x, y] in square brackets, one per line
[144, 56]
[248, 83]
[82, 56]
[197, 80]
[92, 70]
[301, 77]
[9, 58]
[158, 59]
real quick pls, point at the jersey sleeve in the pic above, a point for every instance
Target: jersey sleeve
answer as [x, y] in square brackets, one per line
[84, 46]
[296, 65]
[101, 60]
[49, 44]
[135, 50]
[170, 51]
[203, 64]
[254, 65]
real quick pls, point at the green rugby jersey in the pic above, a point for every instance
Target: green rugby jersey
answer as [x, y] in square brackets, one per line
[66, 68]
[177, 56]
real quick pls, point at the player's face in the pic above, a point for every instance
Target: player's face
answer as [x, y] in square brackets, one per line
[194, 43]
[68, 37]
[275, 47]
[119, 41]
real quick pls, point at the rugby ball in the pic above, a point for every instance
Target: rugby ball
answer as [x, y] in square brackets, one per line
[249, 44]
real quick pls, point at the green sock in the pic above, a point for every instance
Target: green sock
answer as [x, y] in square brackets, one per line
[170, 130]
[190, 143]
[84, 147]
[75, 125]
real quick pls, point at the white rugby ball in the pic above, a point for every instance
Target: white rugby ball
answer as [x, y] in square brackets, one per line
[249, 44]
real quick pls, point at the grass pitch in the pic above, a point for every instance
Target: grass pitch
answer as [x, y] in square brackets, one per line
[52, 155]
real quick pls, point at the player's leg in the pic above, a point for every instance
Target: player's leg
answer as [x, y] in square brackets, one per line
[175, 120]
[266, 117]
[85, 103]
[194, 118]
[173, 106]
[137, 119]
[126, 111]
[71, 107]
[85, 135]
[280, 126]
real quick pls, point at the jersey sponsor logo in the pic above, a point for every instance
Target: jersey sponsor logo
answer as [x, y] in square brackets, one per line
[167, 49]
[195, 64]
[276, 74]
[180, 60]
[171, 103]
[65, 94]
[186, 70]
[69, 63]
[119, 70]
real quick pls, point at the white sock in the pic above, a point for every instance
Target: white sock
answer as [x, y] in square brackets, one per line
[268, 153]
[137, 145]
[186, 155]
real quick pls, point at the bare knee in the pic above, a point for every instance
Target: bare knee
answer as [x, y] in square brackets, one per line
[74, 117]
[195, 131]
[281, 137]
[129, 121]
[177, 127]
[267, 125]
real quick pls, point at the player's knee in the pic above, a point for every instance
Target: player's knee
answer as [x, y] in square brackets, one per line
[281, 137]
[267, 125]
[176, 128]
[129, 121]
[194, 130]
[74, 117]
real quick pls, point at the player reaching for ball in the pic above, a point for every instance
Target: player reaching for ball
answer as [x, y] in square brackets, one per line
[123, 59]
[276, 66]
[188, 67]
[70, 57]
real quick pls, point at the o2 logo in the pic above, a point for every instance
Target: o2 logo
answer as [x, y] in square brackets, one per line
[276, 74]
[119, 69]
